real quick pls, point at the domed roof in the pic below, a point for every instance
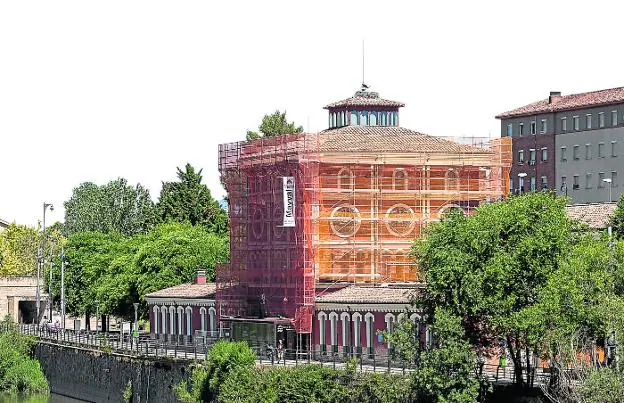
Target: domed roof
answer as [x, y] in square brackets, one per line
[365, 98]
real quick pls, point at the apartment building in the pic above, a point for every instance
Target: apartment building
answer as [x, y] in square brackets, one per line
[570, 143]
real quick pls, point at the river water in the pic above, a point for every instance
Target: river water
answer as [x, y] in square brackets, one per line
[53, 398]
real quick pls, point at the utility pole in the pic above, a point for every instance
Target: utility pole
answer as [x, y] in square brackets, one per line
[50, 289]
[63, 286]
[40, 260]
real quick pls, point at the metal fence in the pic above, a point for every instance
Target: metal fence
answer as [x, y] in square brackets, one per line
[198, 349]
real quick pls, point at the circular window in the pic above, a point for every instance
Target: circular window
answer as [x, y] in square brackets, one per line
[400, 219]
[345, 220]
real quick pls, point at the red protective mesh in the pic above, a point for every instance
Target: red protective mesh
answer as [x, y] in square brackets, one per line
[271, 269]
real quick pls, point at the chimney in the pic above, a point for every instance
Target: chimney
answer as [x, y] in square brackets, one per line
[554, 96]
[201, 277]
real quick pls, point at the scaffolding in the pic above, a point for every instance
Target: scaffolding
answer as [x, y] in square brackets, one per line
[358, 211]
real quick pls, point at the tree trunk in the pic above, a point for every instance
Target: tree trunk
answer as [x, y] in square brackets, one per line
[88, 321]
[517, 360]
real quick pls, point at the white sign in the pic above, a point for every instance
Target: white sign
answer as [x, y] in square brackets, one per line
[289, 201]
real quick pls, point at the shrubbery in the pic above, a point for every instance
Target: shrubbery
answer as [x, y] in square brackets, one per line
[19, 372]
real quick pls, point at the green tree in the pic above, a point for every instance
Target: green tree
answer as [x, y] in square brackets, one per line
[20, 245]
[617, 221]
[489, 267]
[189, 200]
[273, 125]
[447, 370]
[114, 207]
[118, 271]
[18, 250]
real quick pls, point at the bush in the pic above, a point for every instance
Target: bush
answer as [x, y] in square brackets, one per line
[603, 385]
[19, 372]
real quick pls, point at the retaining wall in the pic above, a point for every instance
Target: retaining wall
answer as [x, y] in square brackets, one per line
[101, 377]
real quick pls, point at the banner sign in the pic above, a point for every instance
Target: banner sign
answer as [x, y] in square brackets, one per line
[289, 201]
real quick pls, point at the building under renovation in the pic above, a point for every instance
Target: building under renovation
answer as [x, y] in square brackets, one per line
[313, 213]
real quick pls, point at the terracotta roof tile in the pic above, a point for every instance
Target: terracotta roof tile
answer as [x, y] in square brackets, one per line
[390, 139]
[365, 101]
[568, 102]
[187, 290]
[364, 294]
[595, 215]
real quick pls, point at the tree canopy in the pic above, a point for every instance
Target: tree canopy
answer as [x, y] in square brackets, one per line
[114, 207]
[617, 221]
[489, 267]
[117, 271]
[273, 125]
[19, 246]
[189, 200]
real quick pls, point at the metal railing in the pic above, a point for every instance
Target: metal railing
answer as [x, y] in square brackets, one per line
[197, 348]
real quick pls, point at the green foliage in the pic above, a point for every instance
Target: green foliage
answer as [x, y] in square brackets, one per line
[603, 385]
[118, 271]
[188, 200]
[488, 268]
[229, 375]
[19, 373]
[114, 207]
[273, 125]
[197, 390]
[617, 221]
[18, 250]
[128, 392]
[447, 372]
[19, 246]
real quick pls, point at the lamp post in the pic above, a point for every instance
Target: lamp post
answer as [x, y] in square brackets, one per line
[40, 260]
[608, 182]
[97, 317]
[135, 332]
[521, 177]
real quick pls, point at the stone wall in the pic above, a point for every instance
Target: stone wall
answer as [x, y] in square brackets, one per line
[100, 377]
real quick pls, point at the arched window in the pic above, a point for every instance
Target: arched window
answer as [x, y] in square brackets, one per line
[345, 318]
[333, 322]
[395, 116]
[202, 316]
[343, 118]
[373, 118]
[180, 319]
[415, 318]
[390, 319]
[156, 314]
[363, 118]
[345, 179]
[451, 180]
[399, 179]
[390, 122]
[189, 321]
[353, 121]
[212, 314]
[369, 318]
[172, 320]
[163, 317]
[322, 317]
[357, 322]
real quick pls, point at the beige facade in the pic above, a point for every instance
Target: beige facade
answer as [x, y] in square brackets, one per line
[18, 298]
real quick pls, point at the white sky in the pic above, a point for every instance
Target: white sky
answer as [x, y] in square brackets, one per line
[91, 91]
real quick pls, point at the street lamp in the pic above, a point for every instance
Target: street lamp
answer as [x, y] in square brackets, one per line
[608, 181]
[136, 329]
[564, 188]
[40, 256]
[521, 177]
[97, 316]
